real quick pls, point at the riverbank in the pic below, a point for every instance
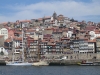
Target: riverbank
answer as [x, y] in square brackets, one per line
[71, 59]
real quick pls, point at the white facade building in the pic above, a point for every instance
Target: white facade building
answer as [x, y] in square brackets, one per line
[91, 47]
[4, 32]
[69, 34]
[94, 35]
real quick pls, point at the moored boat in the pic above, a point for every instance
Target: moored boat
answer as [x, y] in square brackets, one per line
[22, 62]
[41, 63]
[87, 63]
[17, 63]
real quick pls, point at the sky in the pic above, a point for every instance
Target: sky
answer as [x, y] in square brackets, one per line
[12, 10]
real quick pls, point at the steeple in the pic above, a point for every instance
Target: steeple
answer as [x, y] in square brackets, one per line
[43, 19]
[54, 15]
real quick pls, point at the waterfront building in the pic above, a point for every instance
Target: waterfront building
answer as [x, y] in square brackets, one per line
[98, 45]
[65, 45]
[83, 46]
[92, 46]
[1, 41]
[61, 35]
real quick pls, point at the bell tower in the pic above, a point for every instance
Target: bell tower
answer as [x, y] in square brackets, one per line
[54, 15]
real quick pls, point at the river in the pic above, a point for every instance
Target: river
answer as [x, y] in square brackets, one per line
[50, 70]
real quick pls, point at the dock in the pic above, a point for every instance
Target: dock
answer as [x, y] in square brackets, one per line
[2, 63]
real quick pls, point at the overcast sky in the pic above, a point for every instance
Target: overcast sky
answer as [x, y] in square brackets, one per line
[12, 10]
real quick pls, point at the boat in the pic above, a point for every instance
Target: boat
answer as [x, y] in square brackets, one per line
[18, 63]
[40, 63]
[95, 63]
[86, 64]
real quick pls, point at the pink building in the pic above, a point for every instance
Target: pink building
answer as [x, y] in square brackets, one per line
[10, 33]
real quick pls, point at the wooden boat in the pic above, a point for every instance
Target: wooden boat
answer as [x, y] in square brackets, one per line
[40, 63]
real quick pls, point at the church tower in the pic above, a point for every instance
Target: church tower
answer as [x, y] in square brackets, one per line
[54, 15]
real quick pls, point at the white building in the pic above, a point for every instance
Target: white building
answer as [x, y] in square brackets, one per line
[69, 34]
[91, 47]
[4, 32]
[94, 34]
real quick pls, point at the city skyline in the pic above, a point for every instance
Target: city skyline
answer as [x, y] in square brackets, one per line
[30, 9]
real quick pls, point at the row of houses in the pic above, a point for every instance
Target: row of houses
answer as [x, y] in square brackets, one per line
[51, 35]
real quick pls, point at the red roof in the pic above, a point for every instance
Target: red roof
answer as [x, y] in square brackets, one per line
[25, 21]
[90, 28]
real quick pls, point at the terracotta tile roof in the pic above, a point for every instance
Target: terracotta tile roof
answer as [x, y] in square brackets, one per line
[49, 29]
[30, 39]
[49, 43]
[8, 40]
[44, 40]
[30, 30]
[52, 40]
[97, 32]
[60, 15]
[25, 21]
[47, 35]
[58, 41]
[65, 29]
[52, 22]
[82, 37]
[11, 22]
[92, 40]
[48, 17]
[18, 38]
[55, 28]
[90, 28]
[18, 32]
[27, 35]
[4, 23]
[1, 36]
[60, 18]
[17, 23]
[40, 19]
[65, 38]
[82, 30]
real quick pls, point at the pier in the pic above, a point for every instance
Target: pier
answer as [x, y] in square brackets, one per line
[72, 59]
[2, 63]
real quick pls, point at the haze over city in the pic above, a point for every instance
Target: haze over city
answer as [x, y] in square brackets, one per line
[12, 10]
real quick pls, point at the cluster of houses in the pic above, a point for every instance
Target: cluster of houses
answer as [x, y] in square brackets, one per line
[56, 34]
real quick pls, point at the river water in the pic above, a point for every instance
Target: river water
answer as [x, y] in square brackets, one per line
[50, 70]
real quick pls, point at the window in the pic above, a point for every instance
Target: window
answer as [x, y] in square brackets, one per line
[3, 31]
